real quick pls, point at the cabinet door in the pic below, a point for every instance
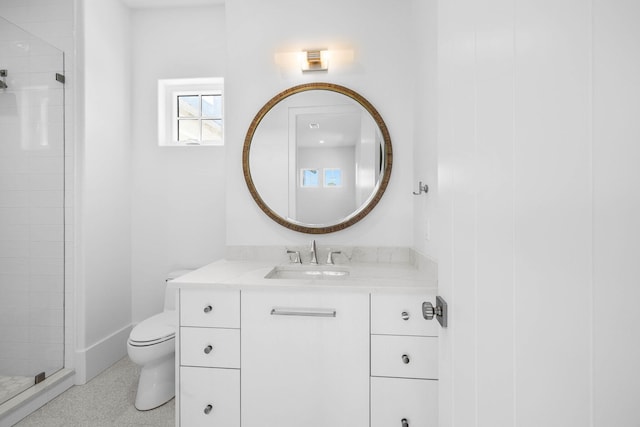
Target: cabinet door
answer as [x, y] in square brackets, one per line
[395, 399]
[209, 397]
[301, 365]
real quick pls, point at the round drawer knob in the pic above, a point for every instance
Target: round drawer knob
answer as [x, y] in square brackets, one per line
[208, 349]
[207, 409]
[404, 422]
[208, 309]
[405, 315]
[405, 359]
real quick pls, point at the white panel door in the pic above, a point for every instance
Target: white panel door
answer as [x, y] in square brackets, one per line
[301, 366]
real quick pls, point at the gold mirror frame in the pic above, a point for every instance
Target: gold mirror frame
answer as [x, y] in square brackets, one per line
[360, 212]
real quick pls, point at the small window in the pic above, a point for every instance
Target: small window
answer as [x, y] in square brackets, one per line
[190, 112]
[309, 178]
[199, 118]
[333, 177]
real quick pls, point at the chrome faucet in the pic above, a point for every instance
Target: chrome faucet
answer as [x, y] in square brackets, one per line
[314, 257]
[330, 256]
[296, 258]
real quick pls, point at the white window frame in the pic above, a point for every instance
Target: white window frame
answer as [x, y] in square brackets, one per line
[168, 92]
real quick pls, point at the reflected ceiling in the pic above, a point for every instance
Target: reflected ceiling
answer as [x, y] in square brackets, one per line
[328, 130]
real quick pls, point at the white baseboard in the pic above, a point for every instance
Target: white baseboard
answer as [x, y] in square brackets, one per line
[98, 357]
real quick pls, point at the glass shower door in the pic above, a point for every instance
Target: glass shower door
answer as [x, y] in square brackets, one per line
[31, 210]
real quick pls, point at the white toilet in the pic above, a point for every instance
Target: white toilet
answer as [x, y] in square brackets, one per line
[151, 345]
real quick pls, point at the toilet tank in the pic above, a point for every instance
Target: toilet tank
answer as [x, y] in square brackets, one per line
[169, 292]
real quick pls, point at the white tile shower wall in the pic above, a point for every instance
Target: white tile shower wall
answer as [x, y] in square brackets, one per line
[32, 234]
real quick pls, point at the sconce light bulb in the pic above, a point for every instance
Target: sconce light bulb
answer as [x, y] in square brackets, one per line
[315, 60]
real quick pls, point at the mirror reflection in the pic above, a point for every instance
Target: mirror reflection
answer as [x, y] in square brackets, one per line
[315, 159]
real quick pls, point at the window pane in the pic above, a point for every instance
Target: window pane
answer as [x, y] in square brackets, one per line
[309, 177]
[212, 106]
[188, 106]
[188, 130]
[333, 178]
[212, 130]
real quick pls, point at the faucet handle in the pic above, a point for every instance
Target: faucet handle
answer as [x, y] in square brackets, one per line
[296, 258]
[330, 256]
[314, 253]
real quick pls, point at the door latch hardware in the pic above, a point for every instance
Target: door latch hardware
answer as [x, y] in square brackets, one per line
[439, 311]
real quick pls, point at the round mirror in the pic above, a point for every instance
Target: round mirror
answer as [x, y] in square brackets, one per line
[317, 158]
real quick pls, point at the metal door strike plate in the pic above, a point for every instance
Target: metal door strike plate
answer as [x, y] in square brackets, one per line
[439, 311]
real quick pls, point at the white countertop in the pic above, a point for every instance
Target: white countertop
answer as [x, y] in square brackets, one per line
[378, 277]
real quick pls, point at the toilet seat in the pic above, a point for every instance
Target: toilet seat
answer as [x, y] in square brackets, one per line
[154, 330]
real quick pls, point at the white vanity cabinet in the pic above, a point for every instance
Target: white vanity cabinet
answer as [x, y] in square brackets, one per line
[208, 358]
[404, 362]
[313, 357]
[305, 359]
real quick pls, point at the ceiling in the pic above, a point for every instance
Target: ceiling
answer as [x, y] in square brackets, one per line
[145, 4]
[335, 130]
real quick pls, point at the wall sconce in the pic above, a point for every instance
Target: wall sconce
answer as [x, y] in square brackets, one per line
[315, 60]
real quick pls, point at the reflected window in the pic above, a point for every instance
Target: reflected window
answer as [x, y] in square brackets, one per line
[309, 178]
[333, 177]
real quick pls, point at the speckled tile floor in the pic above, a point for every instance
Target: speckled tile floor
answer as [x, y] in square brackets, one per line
[10, 386]
[105, 401]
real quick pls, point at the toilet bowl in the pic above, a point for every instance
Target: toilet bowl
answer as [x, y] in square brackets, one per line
[151, 345]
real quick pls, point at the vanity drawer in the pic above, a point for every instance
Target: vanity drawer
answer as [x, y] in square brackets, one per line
[401, 314]
[218, 348]
[403, 356]
[210, 308]
[397, 399]
[209, 397]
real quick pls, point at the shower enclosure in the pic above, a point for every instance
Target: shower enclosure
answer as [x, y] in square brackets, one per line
[31, 210]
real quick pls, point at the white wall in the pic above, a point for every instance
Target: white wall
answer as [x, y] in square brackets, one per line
[425, 125]
[538, 184]
[319, 205]
[379, 37]
[104, 187]
[178, 192]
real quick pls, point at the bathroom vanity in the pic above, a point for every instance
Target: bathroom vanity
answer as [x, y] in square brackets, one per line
[300, 345]
[290, 345]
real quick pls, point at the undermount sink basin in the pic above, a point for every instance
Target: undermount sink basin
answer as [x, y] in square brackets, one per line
[307, 272]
